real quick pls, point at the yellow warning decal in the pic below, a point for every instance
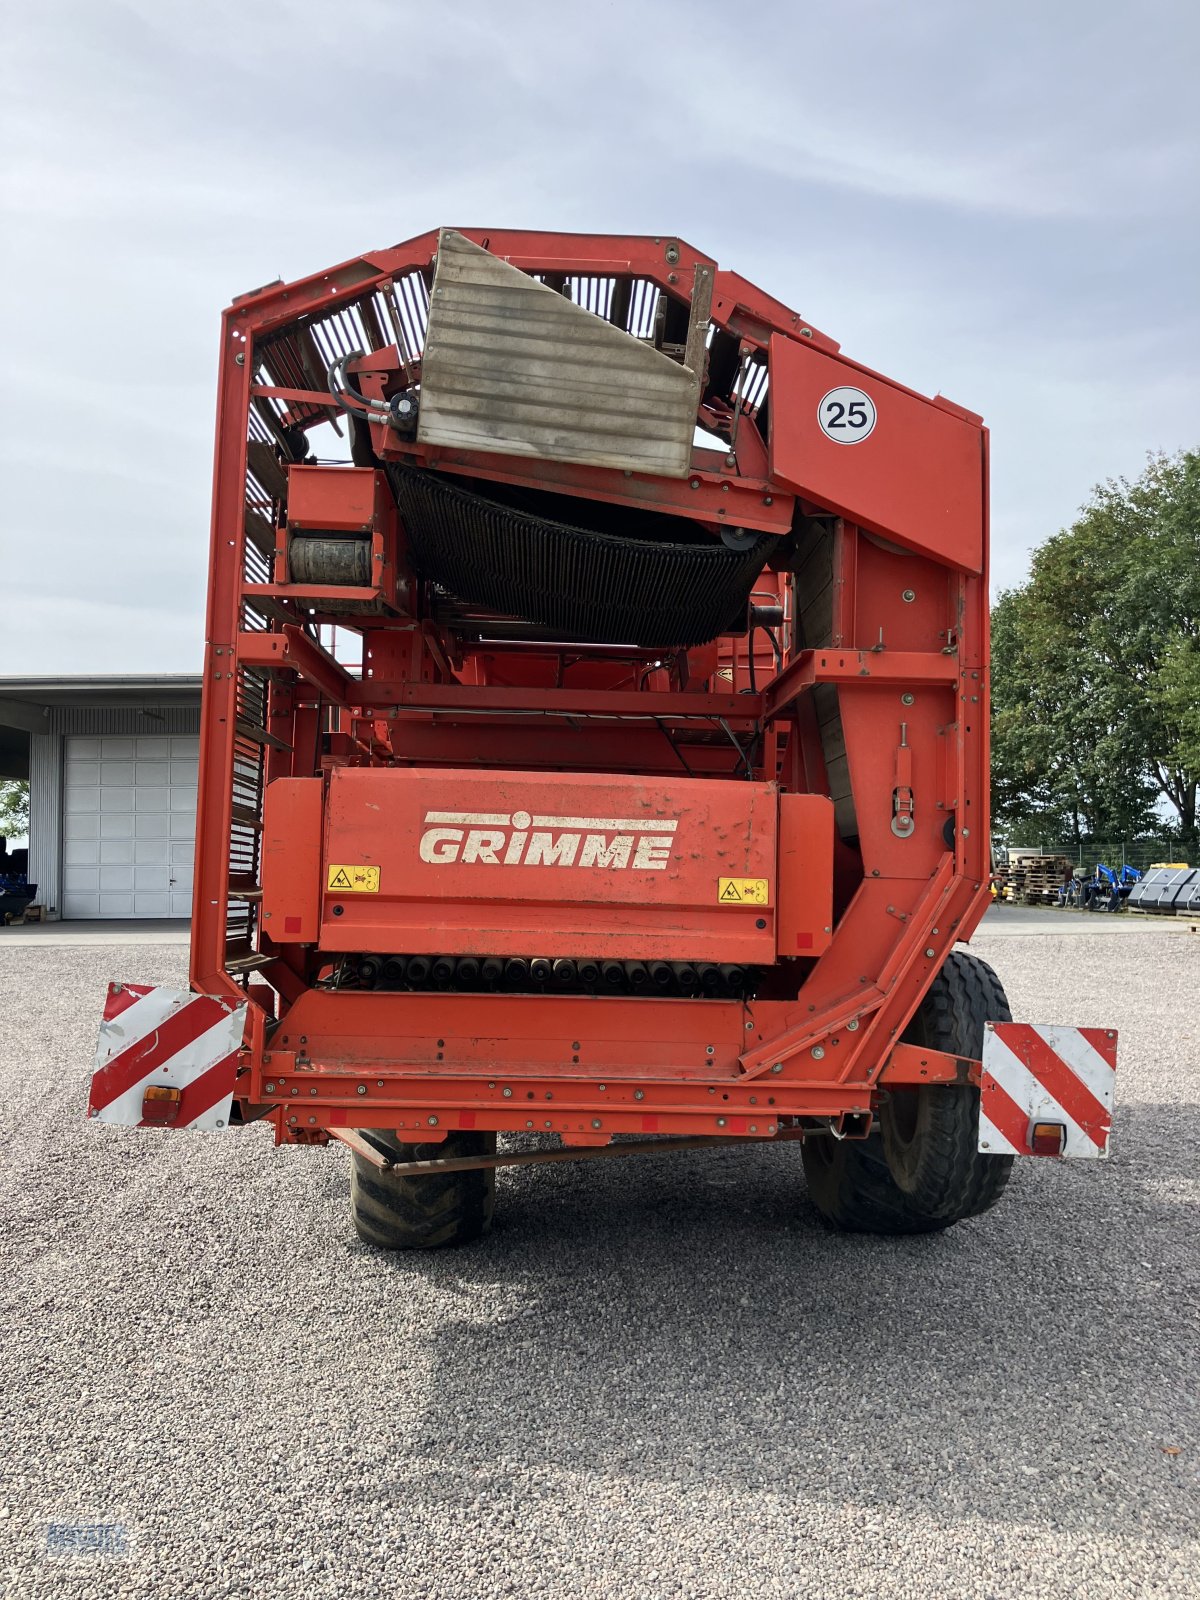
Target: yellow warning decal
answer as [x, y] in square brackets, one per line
[743, 891]
[353, 880]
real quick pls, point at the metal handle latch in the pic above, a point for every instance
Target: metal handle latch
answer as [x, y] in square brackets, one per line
[903, 821]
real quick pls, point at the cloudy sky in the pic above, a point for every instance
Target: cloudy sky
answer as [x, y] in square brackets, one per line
[998, 202]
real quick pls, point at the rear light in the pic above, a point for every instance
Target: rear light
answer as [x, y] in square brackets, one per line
[160, 1104]
[1048, 1138]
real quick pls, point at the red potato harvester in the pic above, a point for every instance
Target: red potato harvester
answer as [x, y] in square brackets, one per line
[598, 750]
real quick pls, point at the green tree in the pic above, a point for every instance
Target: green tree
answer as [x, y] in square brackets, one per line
[1181, 697]
[1096, 665]
[14, 808]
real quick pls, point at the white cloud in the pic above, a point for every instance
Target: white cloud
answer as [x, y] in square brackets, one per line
[995, 202]
[55, 633]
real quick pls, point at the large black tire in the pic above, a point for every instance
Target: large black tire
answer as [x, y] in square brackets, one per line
[850, 1185]
[423, 1213]
[922, 1170]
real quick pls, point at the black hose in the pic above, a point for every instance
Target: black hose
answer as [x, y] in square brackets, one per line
[341, 391]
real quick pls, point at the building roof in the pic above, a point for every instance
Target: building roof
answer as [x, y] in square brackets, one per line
[165, 688]
[28, 705]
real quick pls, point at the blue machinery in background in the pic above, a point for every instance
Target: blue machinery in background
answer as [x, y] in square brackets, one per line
[1108, 888]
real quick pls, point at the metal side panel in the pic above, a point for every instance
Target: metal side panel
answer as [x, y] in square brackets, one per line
[513, 367]
[557, 864]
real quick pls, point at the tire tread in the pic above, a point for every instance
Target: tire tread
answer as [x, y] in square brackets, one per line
[394, 1212]
[852, 1184]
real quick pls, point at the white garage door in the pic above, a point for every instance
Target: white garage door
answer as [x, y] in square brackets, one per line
[129, 826]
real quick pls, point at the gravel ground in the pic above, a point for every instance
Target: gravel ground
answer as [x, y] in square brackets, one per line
[657, 1378]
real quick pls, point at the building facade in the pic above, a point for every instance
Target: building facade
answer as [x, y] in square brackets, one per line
[112, 765]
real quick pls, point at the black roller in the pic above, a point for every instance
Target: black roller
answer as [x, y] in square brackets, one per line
[466, 974]
[664, 593]
[442, 970]
[538, 974]
[329, 561]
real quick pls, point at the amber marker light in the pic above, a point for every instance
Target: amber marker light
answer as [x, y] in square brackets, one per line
[1048, 1138]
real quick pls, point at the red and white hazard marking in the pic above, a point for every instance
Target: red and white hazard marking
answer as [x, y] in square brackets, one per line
[1046, 1073]
[168, 1038]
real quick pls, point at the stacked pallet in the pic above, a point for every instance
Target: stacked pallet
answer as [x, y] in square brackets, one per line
[1036, 880]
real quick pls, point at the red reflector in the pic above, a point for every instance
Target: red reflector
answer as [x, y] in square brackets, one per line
[159, 1104]
[1048, 1138]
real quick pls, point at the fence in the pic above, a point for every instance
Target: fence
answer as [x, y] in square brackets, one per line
[1137, 853]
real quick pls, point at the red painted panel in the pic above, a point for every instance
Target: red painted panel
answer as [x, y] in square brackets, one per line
[551, 863]
[917, 477]
[343, 499]
[291, 860]
[805, 911]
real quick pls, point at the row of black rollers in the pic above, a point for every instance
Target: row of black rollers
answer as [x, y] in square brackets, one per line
[562, 974]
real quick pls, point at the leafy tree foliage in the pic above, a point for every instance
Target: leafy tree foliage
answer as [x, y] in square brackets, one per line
[1096, 666]
[14, 808]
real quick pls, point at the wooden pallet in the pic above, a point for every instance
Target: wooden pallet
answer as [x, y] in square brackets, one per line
[1036, 880]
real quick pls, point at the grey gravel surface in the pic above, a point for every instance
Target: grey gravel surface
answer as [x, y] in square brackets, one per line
[657, 1378]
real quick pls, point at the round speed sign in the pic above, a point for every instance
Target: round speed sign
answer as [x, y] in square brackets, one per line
[846, 415]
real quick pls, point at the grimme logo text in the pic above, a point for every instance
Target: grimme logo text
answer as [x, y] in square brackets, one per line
[493, 839]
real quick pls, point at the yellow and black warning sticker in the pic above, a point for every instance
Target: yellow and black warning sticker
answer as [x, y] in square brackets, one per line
[743, 891]
[353, 880]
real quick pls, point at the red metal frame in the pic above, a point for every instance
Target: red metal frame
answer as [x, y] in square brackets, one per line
[901, 645]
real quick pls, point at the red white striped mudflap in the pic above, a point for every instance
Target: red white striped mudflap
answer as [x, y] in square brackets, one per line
[171, 1039]
[1042, 1073]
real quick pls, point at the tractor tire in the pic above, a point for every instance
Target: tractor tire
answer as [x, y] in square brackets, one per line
[930, 1136]
[394, 1212]
[922, 1171]
[850, 1185]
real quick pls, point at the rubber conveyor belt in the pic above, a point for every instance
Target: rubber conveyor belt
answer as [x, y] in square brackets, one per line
[576, 583]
